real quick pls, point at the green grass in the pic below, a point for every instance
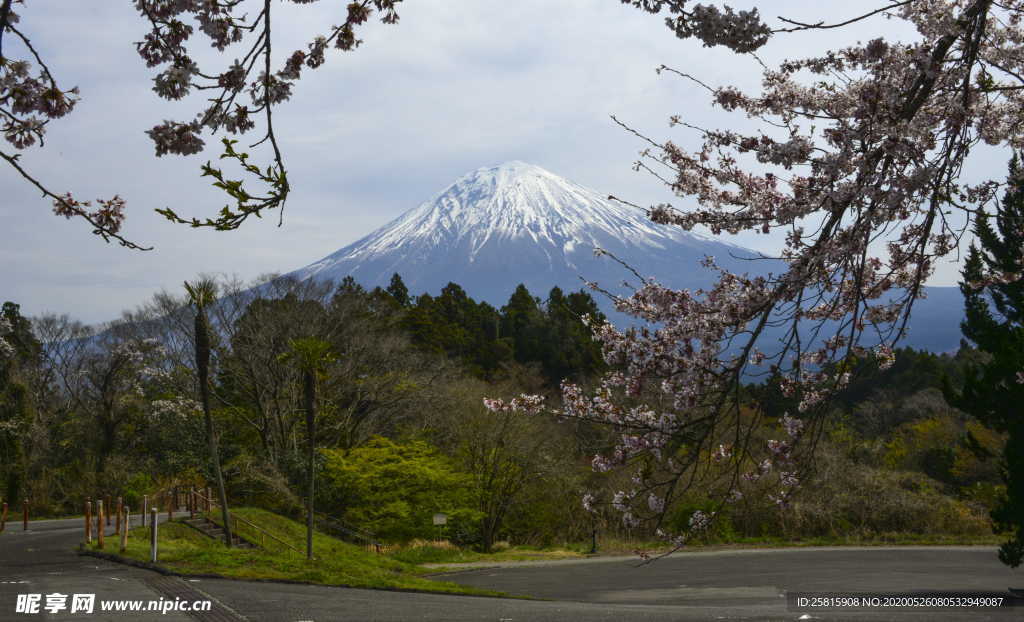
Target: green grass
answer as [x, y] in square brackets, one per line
[184, 550]
[427, 554]
[883, 539]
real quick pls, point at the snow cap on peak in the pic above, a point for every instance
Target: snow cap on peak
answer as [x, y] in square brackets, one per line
[515, 222]
[509, 171]
[512, 165]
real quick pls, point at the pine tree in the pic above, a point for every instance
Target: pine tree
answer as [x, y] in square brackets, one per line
[570, 349]
[994, 392]
[398, 290]
[522, 322]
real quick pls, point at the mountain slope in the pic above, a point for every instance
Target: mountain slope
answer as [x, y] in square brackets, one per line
[496, 227]
[515, 223]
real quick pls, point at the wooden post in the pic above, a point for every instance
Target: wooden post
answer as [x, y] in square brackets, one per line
[192, 502]
[24, 514]
[3, 517]
[99, 523]
[124, 532]
[117, 521]
[88, 521]
[145, 508]
[170, 506]
[152, 535]
[108, 506]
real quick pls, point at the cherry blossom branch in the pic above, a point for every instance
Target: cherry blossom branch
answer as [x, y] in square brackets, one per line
[106, 221]
[5, 10]
[864, 197]
[165, 45]
[822, 26]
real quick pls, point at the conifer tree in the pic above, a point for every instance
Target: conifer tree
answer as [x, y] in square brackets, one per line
[398, 290]
[993, 392]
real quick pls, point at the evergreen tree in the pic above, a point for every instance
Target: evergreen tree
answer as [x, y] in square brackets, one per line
[994, 391]
[522, 322]
[571, 351]
[399, 291]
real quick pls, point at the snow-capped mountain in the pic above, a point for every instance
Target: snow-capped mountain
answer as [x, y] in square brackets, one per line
[518, 223]
[499, 226]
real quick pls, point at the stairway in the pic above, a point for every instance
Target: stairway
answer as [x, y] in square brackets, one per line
[212, 530]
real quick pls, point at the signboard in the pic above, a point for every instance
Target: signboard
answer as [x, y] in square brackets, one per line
[440, 519]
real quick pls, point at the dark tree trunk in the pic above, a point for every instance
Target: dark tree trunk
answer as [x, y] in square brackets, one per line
[309, 395]
[203, 369]
[108, 436]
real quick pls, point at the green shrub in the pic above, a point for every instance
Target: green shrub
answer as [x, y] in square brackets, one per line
[394, 489]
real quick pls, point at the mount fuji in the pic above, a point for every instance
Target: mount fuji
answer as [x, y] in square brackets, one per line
[497, 227]
[515, 223]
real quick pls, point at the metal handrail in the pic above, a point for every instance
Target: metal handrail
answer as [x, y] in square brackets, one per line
[237, 518]
[337, 523]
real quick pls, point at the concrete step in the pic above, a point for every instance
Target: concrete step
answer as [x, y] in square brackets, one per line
[210, 529]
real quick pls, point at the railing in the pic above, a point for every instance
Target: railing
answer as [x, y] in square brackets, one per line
[326, 522]
[264, 534]
[331, 523]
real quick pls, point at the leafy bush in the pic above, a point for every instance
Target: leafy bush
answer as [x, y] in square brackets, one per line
[394, 489]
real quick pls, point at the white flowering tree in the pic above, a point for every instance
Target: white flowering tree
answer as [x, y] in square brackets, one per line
[105, 379]
[857, 158]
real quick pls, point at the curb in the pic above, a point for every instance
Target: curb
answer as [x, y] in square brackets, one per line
[113, 557]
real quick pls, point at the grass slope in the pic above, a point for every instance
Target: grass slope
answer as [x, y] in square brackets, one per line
[184, 550]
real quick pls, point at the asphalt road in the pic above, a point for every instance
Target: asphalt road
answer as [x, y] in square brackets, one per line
[754, 582]
[43, 561]
[731, 577]
[733, 585]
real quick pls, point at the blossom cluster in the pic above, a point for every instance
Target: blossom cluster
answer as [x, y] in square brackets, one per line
[176, 408]
[107, 217]
[741, 31]
[28, 101]
[226, 23]
[6, 349]
[30, 98]
[528, 404]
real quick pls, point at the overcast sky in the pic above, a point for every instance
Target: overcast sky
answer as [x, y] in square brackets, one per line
[456, 85]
